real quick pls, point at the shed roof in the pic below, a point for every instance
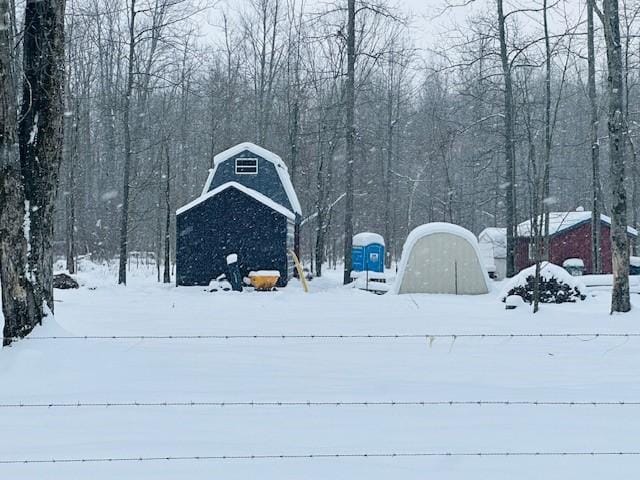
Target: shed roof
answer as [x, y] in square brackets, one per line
[246, 190]
[281, 168]
[561, 221]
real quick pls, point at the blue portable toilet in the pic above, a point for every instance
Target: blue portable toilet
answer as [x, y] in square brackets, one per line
[367, 252]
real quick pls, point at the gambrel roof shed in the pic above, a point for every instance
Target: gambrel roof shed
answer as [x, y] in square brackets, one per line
[256, 168]
[248, 209]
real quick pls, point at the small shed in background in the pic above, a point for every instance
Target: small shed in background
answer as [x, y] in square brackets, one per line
[493, 248]
[569, 238]
[248, 207]
[367, 252]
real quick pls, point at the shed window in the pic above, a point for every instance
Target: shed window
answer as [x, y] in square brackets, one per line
[246, 166]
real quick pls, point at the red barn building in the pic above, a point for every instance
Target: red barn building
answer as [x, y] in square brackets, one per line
[569, 237]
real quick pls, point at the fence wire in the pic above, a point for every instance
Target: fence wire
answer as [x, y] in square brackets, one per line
[321, 456]
[374, 403]
[390, 336]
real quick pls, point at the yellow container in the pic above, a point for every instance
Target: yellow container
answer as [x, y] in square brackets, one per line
[264, 281]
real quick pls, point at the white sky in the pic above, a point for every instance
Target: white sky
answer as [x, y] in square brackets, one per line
[431, 19]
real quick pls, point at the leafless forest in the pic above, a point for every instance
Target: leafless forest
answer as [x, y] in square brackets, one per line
[153, 92]
[514, 110]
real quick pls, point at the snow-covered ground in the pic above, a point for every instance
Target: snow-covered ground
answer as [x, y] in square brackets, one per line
[152, 370]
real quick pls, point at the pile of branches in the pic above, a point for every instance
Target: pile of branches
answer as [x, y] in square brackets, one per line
[551, 291]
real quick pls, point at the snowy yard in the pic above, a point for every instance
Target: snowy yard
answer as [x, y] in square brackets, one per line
[318, 370]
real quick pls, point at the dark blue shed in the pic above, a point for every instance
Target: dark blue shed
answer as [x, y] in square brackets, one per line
[367, 252]
[634, 266]
[248, 207]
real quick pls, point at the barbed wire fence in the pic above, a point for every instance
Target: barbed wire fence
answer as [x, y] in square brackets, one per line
[310, 456]
[428, 337]
[364, 403]
[586, 336]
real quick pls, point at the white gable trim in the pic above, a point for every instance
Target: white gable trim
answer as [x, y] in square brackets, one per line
[248, 191]
[281, 168]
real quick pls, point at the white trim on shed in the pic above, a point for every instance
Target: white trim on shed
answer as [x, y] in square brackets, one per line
[249, 191]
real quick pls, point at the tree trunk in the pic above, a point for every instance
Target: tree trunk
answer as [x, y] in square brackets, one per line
[386, 174]
[70, 195]
[321, 202]
[350, 138]
[167, 225]
[41, 137]
[596, 189]
[18, 302]
[510, 154]
[546, 182]
[320, 244]
[70, 207]
[124, 214]
[541, 204]
[620, 301]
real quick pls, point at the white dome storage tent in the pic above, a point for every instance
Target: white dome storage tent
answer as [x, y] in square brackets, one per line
[441, 258]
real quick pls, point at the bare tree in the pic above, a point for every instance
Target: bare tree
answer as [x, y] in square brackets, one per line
[167, 225]
[262, 27]
[350, 134]
[596, 189]
[19, 304]
[620, 300]
[124, 218]
[509, 143]
[40, 136]
[428, 134]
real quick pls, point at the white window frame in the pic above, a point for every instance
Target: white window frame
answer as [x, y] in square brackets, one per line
[255, 159]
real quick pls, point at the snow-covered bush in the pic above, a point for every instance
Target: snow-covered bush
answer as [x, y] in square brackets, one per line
[556, 285]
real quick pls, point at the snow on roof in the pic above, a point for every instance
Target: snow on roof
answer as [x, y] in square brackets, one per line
[439, 227]
[431, 229]
[496, 238]
[281, 168]
[367, 238]
[573, 263]
[634, 261]
[559, 221]
[249, 191]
